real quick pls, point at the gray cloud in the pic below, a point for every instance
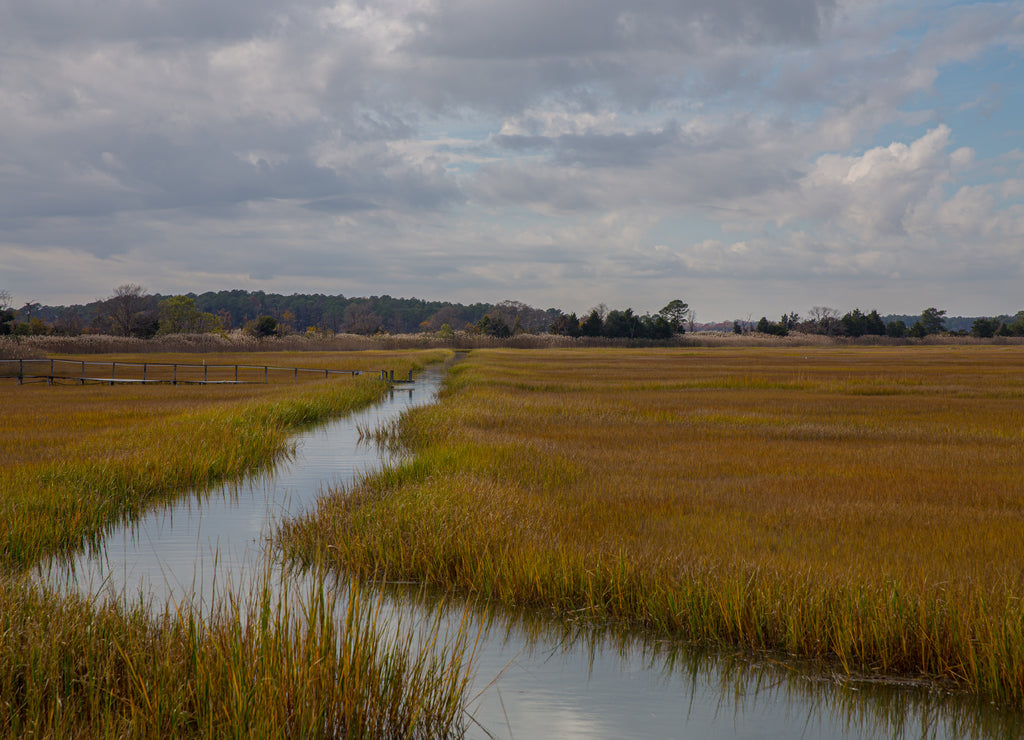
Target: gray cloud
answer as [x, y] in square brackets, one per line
[537, 29]
[158, 21]
[576, 148]
[598, 149]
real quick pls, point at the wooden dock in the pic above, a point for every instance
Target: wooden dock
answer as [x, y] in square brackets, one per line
[82, 372]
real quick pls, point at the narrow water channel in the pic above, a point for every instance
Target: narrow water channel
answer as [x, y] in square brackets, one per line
[533, 679]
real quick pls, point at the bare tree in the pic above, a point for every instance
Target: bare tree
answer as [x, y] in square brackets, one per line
[128, 309]
[29, 308]
[445, 315]
[519, 314]
[69, 323]
[359, 318]
[825, 320]
[7, 313]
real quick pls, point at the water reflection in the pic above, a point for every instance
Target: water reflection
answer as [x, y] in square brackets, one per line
[541, 676]
[180, 551]
[535, 676]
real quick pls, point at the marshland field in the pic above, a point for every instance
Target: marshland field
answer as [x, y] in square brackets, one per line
[857, 508]
[861, 507]
[77, 459]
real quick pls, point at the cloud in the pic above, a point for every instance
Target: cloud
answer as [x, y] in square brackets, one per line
[159, 21]
[531, 29]
[711, 162]
[571, 147]
[876, 193]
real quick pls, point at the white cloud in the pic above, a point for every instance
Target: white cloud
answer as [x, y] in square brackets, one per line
[875, 194]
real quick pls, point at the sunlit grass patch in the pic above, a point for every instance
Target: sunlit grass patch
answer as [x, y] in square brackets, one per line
[858, 506]
[75, 459]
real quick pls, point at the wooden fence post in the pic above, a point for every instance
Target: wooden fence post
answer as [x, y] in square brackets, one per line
[388, 376]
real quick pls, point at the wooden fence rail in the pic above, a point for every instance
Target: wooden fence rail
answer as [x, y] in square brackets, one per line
[92, 371]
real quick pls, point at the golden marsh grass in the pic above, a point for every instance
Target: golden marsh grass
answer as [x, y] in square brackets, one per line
[76, 459]
[863, 507]
[256, 666]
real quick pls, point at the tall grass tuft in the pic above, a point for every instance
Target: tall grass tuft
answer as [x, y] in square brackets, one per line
[264, 665]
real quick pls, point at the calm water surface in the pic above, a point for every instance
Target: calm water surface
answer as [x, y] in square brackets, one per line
[532, 679]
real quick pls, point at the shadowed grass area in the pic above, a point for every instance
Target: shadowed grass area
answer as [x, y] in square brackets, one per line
[859, 507]
[76, 460]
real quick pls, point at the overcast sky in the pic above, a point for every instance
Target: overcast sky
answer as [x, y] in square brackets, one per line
[748, 156]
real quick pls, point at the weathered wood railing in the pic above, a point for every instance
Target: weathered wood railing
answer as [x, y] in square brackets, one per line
[93, 371]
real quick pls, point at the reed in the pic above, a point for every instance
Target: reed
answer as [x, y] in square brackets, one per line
[76, 460]
[239, 342]
[858, 507]
[260, 665]
[275, 659]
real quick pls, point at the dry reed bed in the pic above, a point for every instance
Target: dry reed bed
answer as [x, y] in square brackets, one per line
[862, 507]
[75, 460]
[239, 342]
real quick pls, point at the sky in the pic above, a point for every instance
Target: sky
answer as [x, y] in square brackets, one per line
[749, 157]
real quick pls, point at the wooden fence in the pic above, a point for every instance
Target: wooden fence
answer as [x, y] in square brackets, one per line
[112, 372]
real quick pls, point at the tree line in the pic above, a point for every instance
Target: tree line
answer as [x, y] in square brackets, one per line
[132, 311]
[855, 323]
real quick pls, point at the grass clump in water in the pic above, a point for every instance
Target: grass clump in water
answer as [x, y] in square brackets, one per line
[264, 667]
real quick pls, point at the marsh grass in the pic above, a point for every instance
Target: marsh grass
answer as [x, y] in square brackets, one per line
[75, 460]
[859, 508]
[235, 342]
[261, 665]
[239, 342]
[738, 682]
[265, 661]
